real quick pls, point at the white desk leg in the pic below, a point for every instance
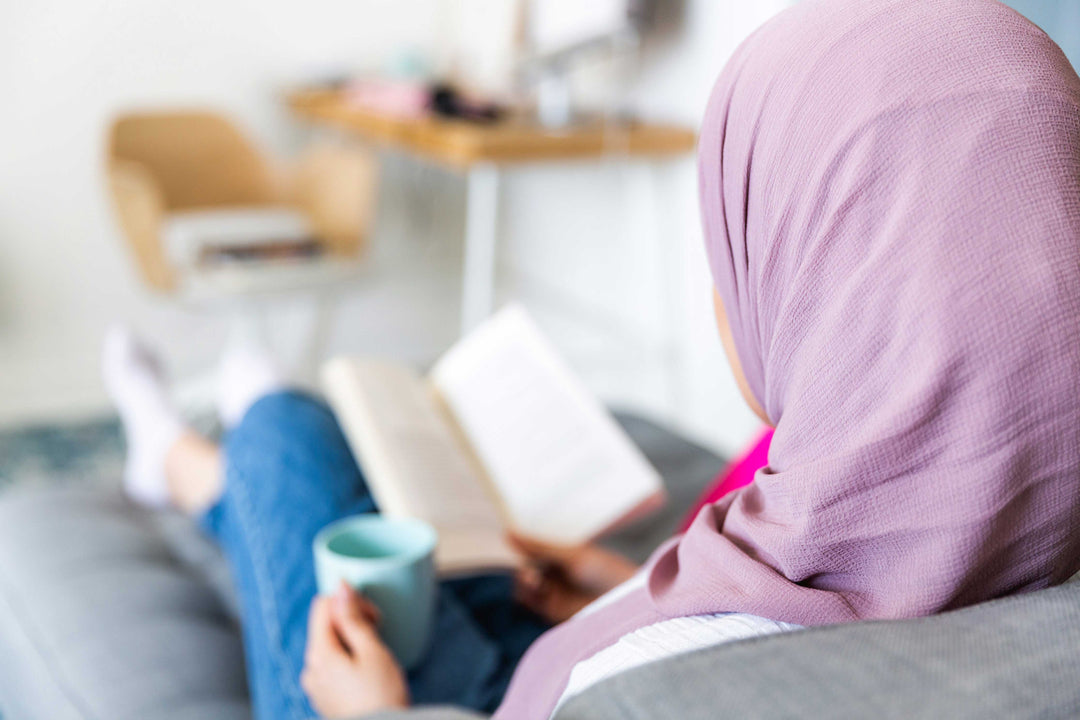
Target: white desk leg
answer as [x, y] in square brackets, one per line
[323, 308]
[666, 244]
[482, 216]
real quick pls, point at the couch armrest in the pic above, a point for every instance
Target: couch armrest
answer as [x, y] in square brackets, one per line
[1015, 658]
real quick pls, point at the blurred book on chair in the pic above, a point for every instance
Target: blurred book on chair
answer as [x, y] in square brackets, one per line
[500, 435]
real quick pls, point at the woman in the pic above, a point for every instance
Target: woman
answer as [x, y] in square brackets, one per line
[891, 201]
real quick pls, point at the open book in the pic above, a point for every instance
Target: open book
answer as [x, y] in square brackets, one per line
[499, 435]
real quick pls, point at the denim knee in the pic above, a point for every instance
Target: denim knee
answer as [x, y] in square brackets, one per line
[283, 415]
[290, 444]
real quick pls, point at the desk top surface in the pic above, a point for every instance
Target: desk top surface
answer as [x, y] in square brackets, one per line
[461, 144]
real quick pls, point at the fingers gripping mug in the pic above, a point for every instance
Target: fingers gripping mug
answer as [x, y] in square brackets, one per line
[391, 561]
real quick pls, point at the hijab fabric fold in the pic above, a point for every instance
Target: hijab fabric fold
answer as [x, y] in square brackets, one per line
[890, 192]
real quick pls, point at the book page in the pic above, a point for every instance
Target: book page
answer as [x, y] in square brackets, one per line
[413, 463]
[565, 470]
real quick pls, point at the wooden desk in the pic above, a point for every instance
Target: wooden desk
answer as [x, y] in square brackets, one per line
[479, 150]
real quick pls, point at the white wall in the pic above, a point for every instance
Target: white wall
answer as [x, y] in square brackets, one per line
[67, 65]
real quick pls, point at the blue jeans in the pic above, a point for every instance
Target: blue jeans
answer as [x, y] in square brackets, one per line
[288, 473]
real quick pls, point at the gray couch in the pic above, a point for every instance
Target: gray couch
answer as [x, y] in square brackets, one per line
[108, 612]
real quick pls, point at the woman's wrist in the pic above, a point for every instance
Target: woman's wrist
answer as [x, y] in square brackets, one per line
[601, 570]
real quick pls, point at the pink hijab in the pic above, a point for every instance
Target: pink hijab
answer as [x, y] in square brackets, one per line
[891, 200]
[735, 476]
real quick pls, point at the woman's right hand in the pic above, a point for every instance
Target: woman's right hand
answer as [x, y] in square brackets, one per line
[348, 671]
[559, 580]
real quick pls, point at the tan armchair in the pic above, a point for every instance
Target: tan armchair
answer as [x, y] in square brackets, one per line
[166, 162]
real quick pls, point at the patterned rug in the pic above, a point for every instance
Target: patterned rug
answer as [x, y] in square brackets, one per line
[84, 452]
[90, 451]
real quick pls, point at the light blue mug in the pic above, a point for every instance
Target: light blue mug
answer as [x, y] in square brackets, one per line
[392, 562]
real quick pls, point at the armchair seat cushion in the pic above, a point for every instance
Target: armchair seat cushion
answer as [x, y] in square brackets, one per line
[188, 235]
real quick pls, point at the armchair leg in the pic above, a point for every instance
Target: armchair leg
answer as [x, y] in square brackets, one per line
[250, 325]
[196, 396]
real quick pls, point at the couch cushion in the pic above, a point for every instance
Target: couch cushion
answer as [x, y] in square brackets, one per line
[98, 620]
[199, 555]
[1014, 658]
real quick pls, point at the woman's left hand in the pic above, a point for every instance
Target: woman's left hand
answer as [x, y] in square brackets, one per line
[559, 580]
[348, 671]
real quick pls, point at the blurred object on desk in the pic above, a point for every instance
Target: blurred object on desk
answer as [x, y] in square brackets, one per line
[555, 26]
[391, 97]
[563, 35]
[410, 99]
[449, 102]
